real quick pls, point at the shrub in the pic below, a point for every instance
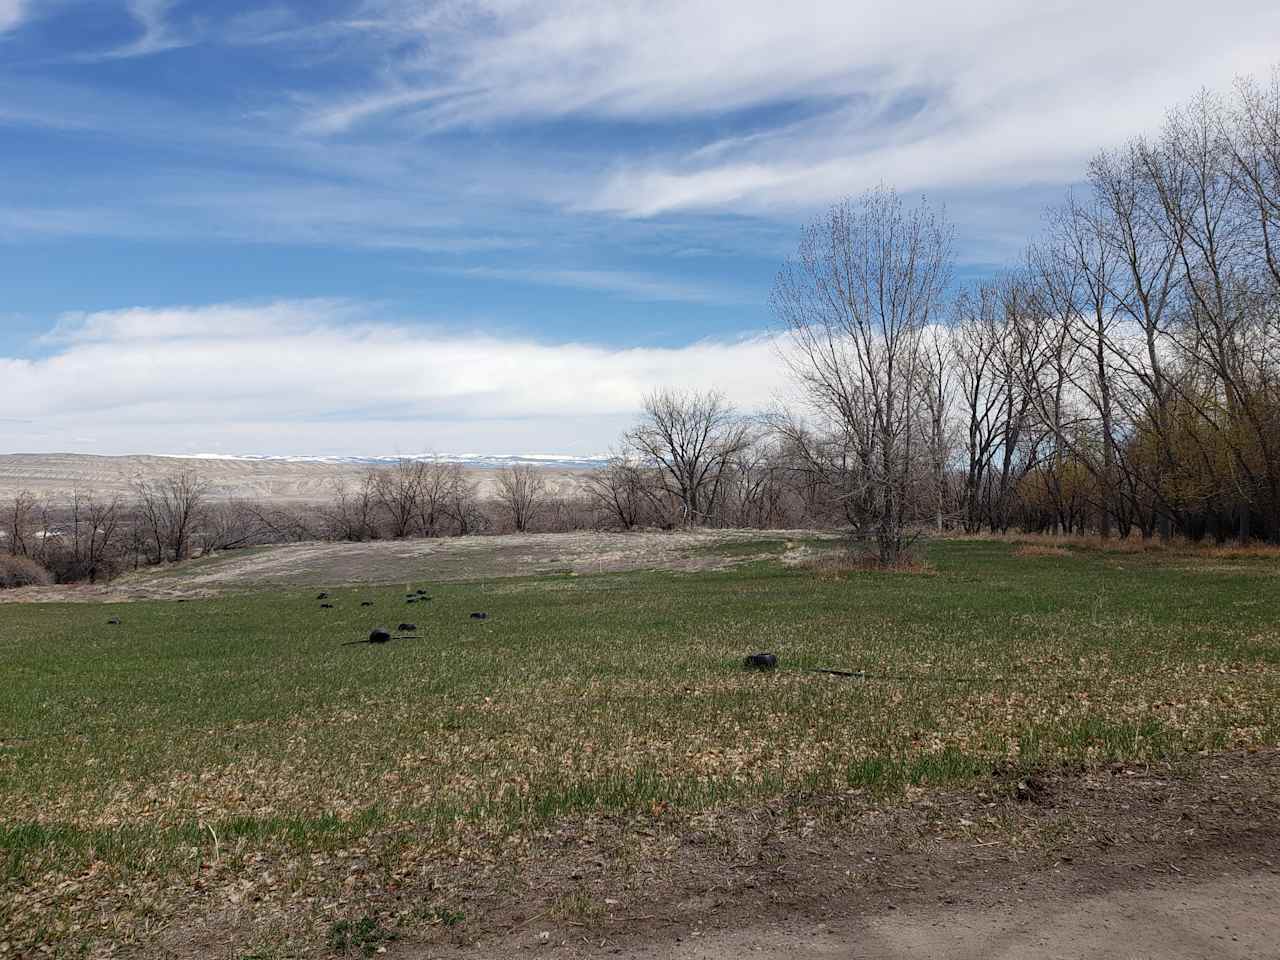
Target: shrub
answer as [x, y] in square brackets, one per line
[64, 567]
[22, 572]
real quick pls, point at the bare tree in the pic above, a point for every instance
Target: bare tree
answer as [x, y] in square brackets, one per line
[622, 490]
[437, 487]
[169, 508]
[936, 371]
[399, 491]
[1077, 278]
[689, 437]
[978, 334]
[1252, 138]
[756, 484]
[95, 528]
[19, 527]
[865, 284]
[351, 514]
[1143, 286]
[522, 490]
[227, 526]
[1228, 326]
[463, 508]
[286, 524]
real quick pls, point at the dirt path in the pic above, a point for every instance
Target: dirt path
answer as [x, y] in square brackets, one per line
[1225, 905]
[1234, 917]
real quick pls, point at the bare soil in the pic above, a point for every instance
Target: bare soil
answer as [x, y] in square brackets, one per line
[452, 558]
[1125, 862]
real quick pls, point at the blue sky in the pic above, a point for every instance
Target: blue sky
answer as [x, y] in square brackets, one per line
[304, 196]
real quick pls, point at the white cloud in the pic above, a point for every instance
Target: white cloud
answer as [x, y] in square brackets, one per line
[313, 377]
[928, 95]
[11, 13]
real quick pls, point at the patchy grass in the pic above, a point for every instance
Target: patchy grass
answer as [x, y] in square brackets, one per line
[229, 758]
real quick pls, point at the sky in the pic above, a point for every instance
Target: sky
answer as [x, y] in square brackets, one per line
[373, 227]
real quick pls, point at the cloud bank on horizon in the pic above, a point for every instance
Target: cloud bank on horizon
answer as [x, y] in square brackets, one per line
[327, 378]
[557, 203]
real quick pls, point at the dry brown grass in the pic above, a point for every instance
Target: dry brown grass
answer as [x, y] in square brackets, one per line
[1041, 550]
[841, 562]
[1241, 551]
[1133, 544]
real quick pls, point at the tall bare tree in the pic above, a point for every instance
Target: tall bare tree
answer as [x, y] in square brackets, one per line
[95, 529]
[438, 484]
[866, 283]
[169, 508]
[352, 513]
[522, 491]
[399, 490]
[19, 523]
[690, 437]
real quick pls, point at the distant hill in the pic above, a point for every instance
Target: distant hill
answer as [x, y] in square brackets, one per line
[279, 479]
[563, 461]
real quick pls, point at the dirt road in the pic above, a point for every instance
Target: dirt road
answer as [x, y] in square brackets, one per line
[1233, 917]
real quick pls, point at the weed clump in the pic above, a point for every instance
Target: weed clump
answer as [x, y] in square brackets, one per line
[365, 935]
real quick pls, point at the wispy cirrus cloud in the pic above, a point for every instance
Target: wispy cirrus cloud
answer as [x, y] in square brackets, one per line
[158, 34]
[628, 284]
[930, 95]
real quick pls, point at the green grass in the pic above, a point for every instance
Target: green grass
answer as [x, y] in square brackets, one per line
[194, 736]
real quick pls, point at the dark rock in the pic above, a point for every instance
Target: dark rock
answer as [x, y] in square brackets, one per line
[422, 593]
[760, 661]
[379, 635]
[412, 600]
[479, 616]
[326, 606]
[322, 596]
[407, 627]
[114, 621]
[366, 603]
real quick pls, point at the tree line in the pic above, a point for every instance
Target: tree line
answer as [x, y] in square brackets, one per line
[1122, 379]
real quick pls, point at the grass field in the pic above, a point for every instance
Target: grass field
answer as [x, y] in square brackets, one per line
[201, 757]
